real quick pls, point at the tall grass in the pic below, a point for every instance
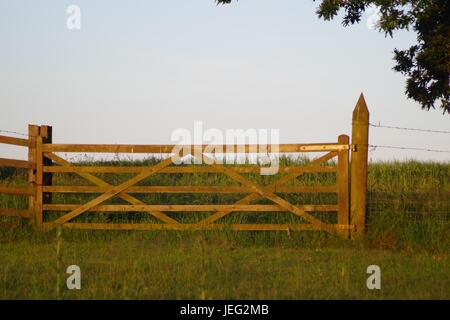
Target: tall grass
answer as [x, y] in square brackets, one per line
[408, 202]
[408, 225]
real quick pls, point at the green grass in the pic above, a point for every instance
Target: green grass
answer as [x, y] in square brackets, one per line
[408, 237]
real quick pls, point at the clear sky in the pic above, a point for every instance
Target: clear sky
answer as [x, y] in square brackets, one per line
[137, 70]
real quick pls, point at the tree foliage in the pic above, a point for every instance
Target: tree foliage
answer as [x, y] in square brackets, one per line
[425, 64]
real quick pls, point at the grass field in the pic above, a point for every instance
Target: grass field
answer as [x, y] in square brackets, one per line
[408, 237]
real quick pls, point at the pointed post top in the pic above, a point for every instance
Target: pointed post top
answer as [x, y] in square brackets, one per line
[361, 112]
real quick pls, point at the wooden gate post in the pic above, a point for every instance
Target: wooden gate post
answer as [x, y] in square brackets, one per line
[45, 136]
[39, 179]
[358, 172]
[343, 217]
[33, 133]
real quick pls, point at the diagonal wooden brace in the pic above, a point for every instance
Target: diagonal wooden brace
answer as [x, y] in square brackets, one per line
[114, 190]
[130, 199]
[266, 194]
[249, 198]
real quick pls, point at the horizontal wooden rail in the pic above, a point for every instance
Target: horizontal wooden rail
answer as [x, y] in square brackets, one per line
[16, 190]
[189, 208]
[23, 213]
[14, 141]
[184, 169]
[122, 148]
[190, 189]
[237, 227]
[12, 163]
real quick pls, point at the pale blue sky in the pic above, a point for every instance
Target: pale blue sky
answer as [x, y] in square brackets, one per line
[137, 70]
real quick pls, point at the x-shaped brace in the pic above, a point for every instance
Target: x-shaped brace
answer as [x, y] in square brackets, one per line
[268, 192]
[114, 190]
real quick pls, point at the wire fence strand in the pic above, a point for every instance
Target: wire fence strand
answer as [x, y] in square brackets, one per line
[14, 132]
[374, 147]
[408, 129]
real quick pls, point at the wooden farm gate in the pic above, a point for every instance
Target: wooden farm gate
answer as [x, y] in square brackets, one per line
[44, 160]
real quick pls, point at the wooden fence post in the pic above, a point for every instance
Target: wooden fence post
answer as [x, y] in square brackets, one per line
[33, 133]
[358, 172]
[343, 216]
[38, 206]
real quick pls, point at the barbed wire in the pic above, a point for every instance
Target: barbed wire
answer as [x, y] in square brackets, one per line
[409, 129]
[14, 132]
[379, 125]
[374, 147]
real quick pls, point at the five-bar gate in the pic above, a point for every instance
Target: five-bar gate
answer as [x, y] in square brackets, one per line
[45, 160]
